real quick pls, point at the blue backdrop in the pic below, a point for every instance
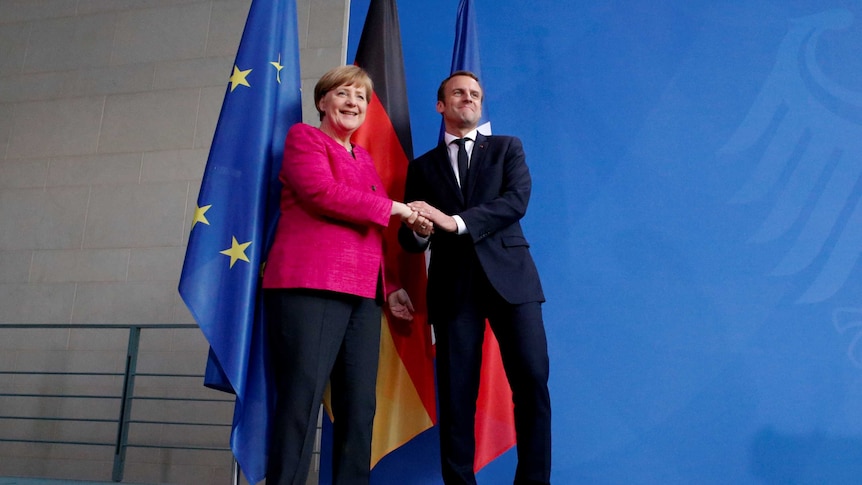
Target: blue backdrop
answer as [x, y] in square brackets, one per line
[697, 222]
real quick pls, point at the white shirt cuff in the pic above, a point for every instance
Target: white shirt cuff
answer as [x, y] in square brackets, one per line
[462, 228]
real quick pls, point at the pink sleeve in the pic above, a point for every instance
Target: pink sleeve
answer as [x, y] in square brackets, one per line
[307, 169]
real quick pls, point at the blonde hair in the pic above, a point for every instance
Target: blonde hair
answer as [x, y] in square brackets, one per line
[340, 76]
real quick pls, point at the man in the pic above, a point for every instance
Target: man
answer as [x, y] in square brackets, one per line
[480, 268]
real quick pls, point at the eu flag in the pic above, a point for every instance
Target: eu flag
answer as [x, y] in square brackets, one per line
[235, 218]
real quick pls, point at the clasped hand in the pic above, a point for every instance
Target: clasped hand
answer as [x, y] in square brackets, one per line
[419, 223]
[438, 219]
[412, 218]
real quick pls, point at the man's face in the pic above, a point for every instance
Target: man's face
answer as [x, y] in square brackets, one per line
[462, 103]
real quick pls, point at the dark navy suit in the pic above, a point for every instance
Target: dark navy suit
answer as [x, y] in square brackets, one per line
[486, 273]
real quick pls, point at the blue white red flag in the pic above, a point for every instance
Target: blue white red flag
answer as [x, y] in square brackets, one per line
[495, 421]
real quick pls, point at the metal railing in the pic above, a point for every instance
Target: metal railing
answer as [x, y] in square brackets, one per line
[125, 396]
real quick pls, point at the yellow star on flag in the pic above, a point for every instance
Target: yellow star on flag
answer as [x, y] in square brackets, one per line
[239, 78]
[199, 215]
[278, 67]
[236, 251]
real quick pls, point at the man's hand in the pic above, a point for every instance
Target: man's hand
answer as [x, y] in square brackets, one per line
[419, 224]
[400, 304]
[440, 220]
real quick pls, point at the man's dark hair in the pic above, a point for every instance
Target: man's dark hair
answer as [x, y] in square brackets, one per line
[441, 91]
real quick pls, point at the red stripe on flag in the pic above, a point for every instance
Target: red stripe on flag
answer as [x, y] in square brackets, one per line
[495, 415]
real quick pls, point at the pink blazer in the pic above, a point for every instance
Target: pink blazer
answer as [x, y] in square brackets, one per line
[333, 211]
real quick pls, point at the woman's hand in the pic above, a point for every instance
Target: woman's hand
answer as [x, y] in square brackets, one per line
[401, 210]
[400, 304]
[419, 223]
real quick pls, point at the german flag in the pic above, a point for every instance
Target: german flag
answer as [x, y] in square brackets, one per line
[406, 404]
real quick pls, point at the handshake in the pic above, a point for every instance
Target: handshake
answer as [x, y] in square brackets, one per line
[423, 218]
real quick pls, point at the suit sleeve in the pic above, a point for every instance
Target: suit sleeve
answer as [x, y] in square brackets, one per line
[412, 192]
[510, 205]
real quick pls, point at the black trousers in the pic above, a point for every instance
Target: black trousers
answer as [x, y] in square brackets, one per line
[316, 336]
[523, 346]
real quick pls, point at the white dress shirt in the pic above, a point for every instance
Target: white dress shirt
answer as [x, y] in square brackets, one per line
[453, 162]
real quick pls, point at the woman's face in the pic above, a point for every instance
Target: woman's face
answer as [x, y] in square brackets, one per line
[344, 108]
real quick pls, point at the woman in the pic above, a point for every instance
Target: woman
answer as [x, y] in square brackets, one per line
[324, 285]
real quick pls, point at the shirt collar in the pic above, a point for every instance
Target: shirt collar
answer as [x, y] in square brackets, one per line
[449, 138]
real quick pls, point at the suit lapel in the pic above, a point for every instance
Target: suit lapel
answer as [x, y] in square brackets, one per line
[445, 169]
[477, 161]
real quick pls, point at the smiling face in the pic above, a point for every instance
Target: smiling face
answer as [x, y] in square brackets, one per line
[343, 109]
[461, 104]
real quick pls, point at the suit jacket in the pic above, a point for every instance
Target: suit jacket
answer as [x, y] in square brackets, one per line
[333, 211]
[499, 190]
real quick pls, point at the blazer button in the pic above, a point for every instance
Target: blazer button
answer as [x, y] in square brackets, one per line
[374, 188]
